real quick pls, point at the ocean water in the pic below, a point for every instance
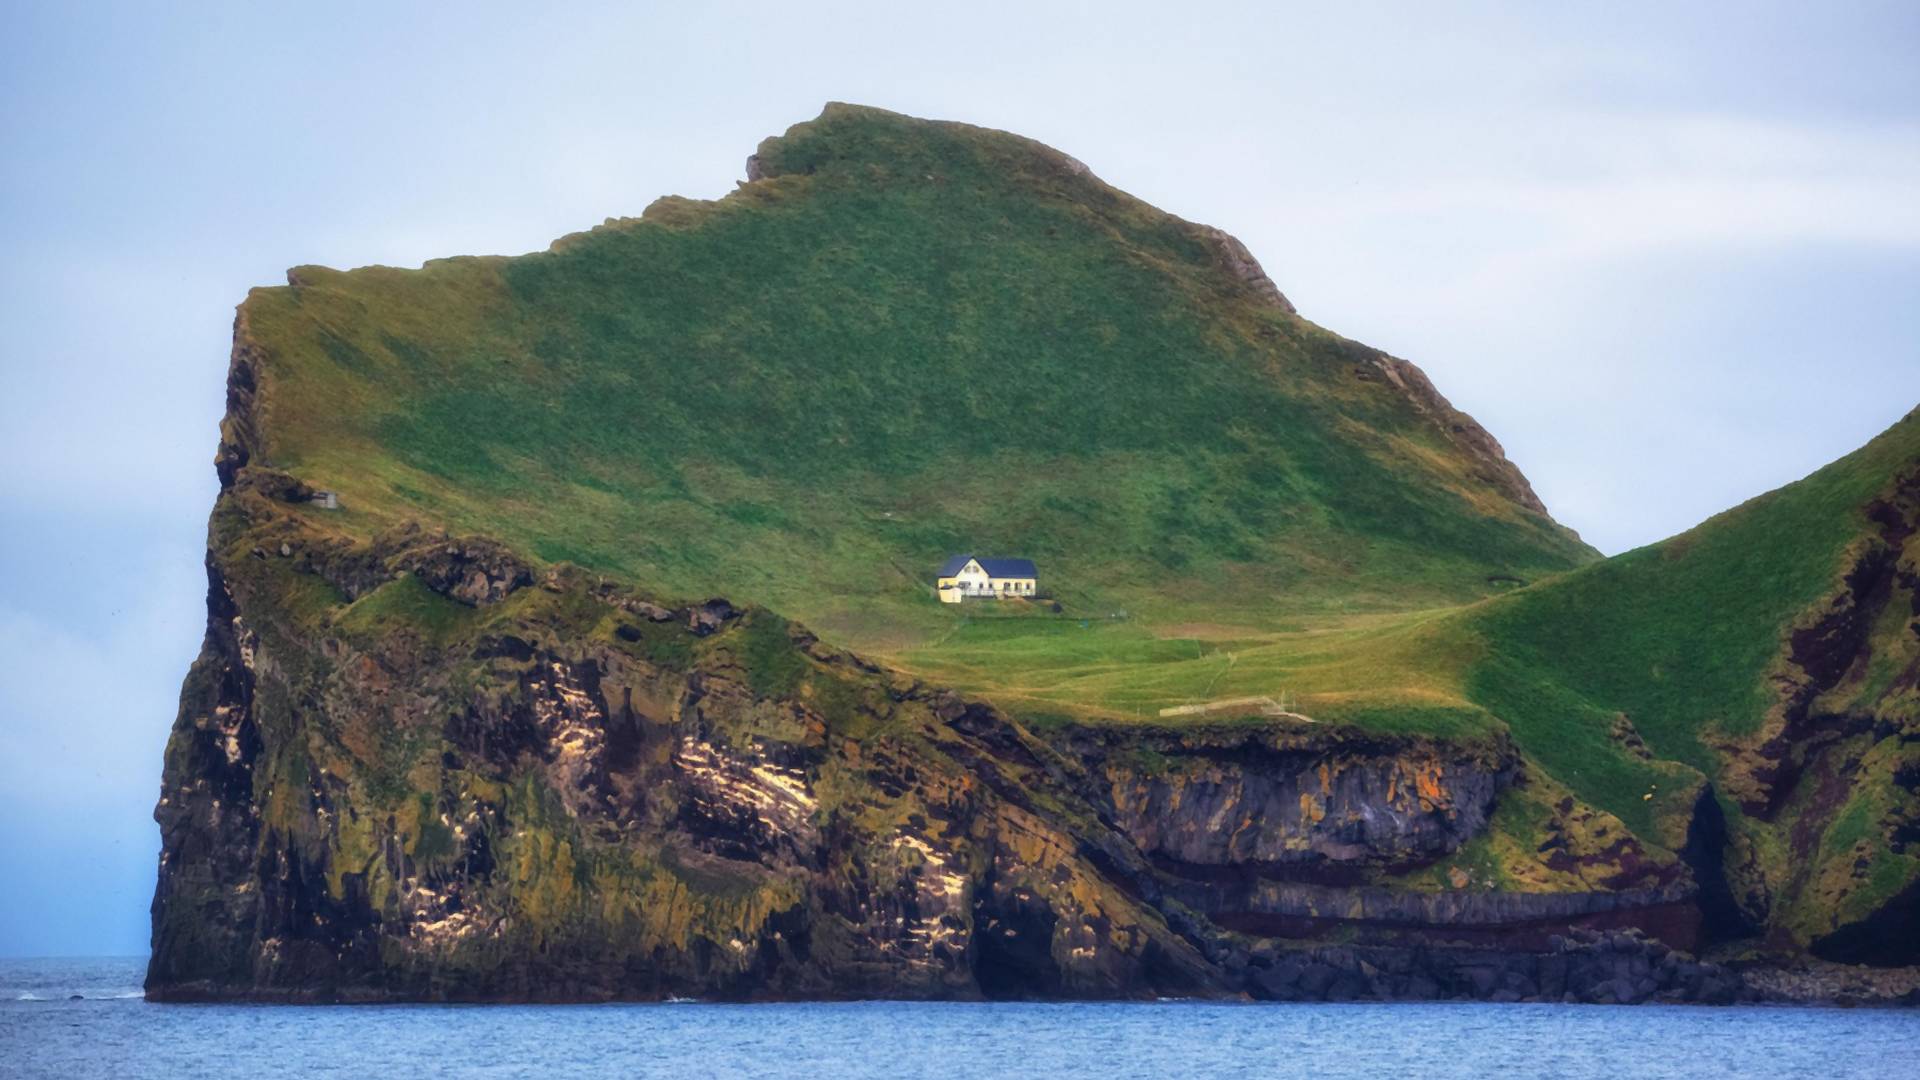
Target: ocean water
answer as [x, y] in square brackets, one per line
[112, 1032]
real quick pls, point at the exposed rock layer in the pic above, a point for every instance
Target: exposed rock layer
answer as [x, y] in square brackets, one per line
[570, 792]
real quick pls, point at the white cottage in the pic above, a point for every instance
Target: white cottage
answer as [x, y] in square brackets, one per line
[966, 576]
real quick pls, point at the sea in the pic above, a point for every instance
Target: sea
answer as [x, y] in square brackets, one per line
[86, 1018]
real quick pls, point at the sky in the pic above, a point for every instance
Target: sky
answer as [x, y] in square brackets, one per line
[1668, 254]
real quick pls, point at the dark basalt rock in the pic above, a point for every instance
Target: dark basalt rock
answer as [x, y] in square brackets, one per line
[1327, 801]
[1598, 968]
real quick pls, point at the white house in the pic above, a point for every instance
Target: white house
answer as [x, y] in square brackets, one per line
[966, 576]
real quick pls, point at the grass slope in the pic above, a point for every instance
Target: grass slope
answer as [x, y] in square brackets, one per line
[1680, 635]
[908, 339]
[1690, 638]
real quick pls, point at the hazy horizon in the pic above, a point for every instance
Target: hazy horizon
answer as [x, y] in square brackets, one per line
[1670, 259]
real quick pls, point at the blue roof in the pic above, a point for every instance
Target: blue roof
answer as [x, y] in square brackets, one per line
[1000, 568]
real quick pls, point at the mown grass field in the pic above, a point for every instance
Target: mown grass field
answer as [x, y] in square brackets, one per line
[1390, 672]
[1680, 636]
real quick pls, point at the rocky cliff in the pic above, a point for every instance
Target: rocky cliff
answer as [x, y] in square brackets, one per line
[417, 769]
[550, 787]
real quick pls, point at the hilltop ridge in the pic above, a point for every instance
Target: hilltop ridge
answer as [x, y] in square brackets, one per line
[903, 338]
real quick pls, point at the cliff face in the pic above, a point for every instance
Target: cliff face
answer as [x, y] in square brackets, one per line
[560, 790]
[1305, 803]
[417, 769]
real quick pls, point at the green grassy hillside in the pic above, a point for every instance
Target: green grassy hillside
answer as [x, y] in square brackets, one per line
[906, 339]
[1683, 635]
[1774, 648]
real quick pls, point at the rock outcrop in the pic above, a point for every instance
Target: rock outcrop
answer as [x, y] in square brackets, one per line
[1302, 800]
[1238, 261]
[1489, 457]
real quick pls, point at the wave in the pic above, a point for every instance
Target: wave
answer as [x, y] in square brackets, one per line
[95, 995]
